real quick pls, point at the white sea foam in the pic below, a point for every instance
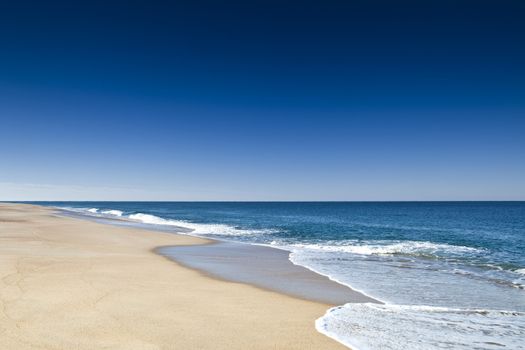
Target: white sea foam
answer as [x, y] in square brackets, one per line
[422, 327]
[153, 220]
[95, 211]
[112, 212]
[199, 229]
[84, 211]
[389, 248]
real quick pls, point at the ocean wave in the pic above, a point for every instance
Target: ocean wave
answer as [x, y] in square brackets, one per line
[414, 248]
[420, 326]
[112, 212]
[95, 211]
[520, 271]
[520, 281]
[85, 211]
[195, 228]
[154, 220]
[201, 229]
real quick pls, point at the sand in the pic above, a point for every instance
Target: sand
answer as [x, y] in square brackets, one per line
[67, 283]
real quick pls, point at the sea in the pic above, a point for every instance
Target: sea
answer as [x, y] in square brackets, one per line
[450, 275]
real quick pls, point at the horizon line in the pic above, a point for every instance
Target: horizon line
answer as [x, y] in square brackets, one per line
[270, 201]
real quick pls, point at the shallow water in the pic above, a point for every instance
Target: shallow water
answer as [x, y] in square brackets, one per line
[264, 267]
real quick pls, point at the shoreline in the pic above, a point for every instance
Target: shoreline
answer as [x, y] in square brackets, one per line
[263, 267]
[116, 292]
[346, 294]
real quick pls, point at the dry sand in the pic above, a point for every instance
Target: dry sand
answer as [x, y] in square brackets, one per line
[72, 284]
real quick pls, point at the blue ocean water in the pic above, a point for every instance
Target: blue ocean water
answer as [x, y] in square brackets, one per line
[451, 274]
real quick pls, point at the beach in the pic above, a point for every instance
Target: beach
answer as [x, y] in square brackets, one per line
[67, 283]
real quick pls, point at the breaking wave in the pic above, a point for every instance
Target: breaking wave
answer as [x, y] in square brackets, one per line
[413, 248]
[95, 211]
[201, 229]
[112, 212]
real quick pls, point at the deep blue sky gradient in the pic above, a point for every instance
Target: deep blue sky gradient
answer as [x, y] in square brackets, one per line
[197, 100]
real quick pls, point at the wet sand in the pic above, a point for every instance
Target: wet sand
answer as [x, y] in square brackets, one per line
[264, 267]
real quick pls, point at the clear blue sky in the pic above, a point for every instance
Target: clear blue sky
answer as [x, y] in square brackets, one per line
[326, 100]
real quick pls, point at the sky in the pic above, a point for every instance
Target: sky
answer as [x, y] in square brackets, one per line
[262, 100]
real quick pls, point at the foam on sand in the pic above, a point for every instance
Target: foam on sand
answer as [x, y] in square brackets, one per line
[415, 327]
